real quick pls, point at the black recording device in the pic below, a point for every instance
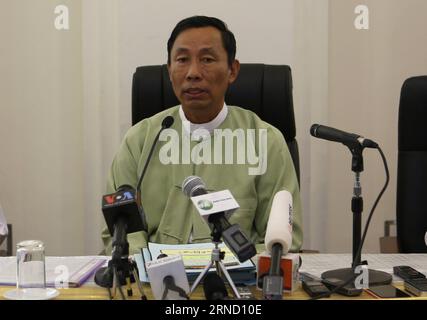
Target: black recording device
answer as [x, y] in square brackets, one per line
[418, 286]
[415, 282]
[313, 285]
[407, 273]
[233, 237]
[387, 291]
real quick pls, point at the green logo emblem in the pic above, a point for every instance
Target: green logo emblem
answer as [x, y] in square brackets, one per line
[205, 204]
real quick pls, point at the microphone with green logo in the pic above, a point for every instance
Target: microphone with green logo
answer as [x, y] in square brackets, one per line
[235, 239]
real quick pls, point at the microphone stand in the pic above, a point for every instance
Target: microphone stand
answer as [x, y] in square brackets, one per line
[272, 286]
[121, 267]
[216, 257]
[375, 277]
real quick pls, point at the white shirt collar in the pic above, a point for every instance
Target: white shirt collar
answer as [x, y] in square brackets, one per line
[209, 126]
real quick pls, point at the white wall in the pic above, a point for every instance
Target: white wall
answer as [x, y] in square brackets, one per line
[101, 110]
[366, 71]
[310, 73]
[41, 141]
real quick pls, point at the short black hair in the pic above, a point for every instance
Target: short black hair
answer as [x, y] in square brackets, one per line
[228, 40]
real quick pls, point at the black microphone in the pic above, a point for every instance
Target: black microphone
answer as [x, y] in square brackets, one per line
[170, 285]
[214, 287]
[349, 139]
[168, 279]
[121, 213]
[124, 206]
[166, 123]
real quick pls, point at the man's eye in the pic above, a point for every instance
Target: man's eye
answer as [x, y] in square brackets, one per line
[207, 60]
[181, 59]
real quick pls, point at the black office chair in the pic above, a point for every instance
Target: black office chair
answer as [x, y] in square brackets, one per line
[411, 205]
[264, 89]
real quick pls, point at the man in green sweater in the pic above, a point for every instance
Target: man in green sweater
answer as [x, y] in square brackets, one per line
[227, 146]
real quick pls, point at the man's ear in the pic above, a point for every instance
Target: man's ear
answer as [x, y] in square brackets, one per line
[234, 71]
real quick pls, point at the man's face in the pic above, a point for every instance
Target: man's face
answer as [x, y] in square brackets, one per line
[199, 69]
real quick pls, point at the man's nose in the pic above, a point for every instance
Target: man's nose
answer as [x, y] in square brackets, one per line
[194, 72]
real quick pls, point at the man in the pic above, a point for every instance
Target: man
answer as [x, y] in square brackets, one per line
[201, 65]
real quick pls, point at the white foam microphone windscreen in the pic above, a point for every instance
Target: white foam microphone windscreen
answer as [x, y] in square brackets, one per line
[279, 227]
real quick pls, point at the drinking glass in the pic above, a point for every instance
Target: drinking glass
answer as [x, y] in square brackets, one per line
[30, 272]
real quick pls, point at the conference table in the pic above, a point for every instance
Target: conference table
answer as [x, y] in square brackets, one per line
[312, 263]
[98, 293]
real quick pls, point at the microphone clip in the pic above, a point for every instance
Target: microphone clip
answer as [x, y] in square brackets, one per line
[170, 284]
[357, 157]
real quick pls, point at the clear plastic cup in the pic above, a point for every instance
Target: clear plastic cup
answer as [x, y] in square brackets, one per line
[31, 271]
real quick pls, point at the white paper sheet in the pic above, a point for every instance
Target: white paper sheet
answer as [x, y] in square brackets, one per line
[80, 269]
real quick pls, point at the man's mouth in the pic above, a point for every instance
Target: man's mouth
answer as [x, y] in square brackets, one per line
[194, 92]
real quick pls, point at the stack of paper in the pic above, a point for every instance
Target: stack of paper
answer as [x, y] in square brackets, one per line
[196, 257]
[59, 270]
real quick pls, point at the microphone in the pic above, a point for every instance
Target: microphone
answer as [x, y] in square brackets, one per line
[122, 213]
[123, 205]
[278, 240]
[166, 123]
[279, 226]
[214, 287]
[168, 278]
[233, 237]
[349, 139]
[193, 186]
